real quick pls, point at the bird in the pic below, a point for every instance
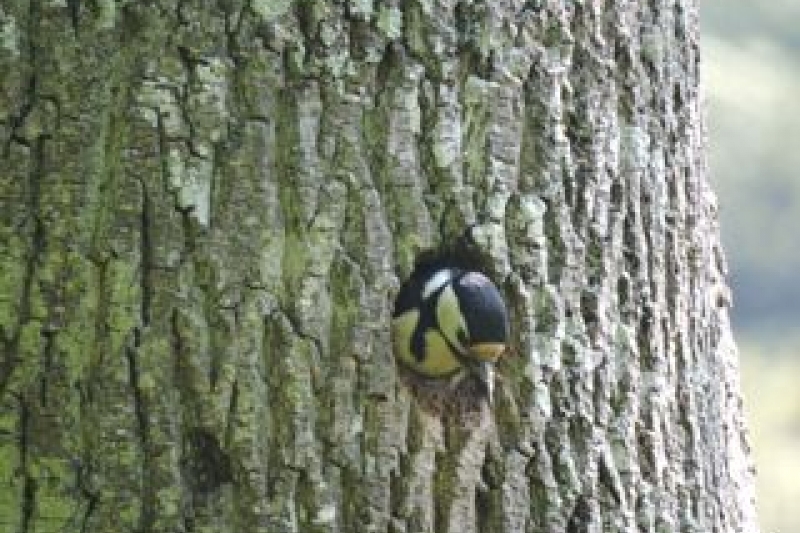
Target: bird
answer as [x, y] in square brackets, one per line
[450, 322]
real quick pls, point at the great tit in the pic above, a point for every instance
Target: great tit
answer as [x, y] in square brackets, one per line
[448, 322]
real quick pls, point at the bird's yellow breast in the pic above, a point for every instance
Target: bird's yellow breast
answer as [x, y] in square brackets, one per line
[438, 360]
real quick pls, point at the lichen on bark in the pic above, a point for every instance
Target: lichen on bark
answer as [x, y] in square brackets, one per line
[207, 209]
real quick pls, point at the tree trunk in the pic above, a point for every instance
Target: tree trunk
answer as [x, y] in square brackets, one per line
[207, 209]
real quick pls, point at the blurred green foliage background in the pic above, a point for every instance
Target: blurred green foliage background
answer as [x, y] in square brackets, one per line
[751, 62]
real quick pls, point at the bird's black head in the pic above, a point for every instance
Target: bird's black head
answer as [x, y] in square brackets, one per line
[479, 305]
[483, 308]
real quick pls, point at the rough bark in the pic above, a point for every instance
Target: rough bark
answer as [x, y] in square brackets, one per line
[207, 208]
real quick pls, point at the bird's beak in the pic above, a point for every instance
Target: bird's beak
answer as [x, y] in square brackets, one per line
[485, 373]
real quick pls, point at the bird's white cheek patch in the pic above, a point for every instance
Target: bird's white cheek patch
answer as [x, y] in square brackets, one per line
[436, 282]
[450, 318]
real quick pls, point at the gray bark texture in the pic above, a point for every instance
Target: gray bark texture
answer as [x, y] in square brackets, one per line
[208, 207]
